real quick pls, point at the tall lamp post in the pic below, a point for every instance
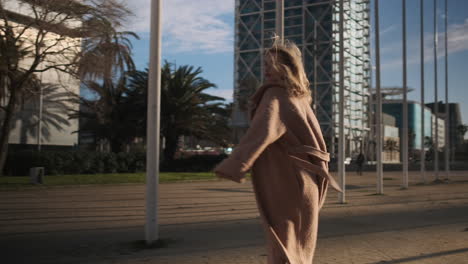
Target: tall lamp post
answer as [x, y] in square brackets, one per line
[153, 125]
[39, 125]
[423, 115]
[447, 106]
[280, 19]
[405, 104]
[436, 98]
[341, 139]
[378, 117]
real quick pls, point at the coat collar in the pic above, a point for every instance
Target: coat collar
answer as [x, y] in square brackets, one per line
[255, 99]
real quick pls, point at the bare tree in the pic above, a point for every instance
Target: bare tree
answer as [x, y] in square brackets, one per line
[37, 36]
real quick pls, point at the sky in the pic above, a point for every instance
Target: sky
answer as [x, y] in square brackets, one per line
[201, 33]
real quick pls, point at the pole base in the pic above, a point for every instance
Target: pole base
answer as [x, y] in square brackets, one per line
[160, 243]
[438, 181]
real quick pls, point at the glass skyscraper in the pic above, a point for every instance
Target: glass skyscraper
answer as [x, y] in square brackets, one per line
[314, 26]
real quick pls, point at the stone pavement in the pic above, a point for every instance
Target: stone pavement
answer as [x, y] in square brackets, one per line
[217, 222]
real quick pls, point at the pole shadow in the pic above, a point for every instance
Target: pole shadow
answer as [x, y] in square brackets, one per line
[424, 256]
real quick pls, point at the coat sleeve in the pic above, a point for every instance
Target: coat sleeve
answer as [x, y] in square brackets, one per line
[266, 127]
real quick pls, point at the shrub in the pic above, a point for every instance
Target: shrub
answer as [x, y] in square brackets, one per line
[73, 162]
[196, 163]
[87, 162]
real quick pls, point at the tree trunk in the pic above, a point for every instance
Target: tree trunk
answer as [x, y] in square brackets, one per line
[116, 145]
[6, 129]
[172, 143]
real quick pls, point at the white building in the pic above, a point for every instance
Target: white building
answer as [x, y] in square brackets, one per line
[440, 131]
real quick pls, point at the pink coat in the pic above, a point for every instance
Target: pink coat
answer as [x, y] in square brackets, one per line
[286, 151]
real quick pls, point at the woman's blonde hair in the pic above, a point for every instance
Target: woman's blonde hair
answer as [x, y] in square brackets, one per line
[286, 59]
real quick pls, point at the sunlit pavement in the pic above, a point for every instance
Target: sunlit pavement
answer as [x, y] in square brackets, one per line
[217, 222]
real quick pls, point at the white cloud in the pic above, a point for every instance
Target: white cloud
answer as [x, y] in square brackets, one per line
[189, 25]
[140, 22]
[225, 93]
[457, 41]
[457, 37]
[389, 29]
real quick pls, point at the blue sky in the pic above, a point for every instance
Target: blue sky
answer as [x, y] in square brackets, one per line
[200, 33]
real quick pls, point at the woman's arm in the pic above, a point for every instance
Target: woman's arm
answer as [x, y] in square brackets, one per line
[265, 128]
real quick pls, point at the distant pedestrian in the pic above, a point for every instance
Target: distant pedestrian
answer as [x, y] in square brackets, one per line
[359, 163]
[285, 149]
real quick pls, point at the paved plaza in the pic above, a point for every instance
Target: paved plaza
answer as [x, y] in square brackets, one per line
[217, 222]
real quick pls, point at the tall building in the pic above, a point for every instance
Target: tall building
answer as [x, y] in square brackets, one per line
[455, 120]
[314, 26]
[395, 109]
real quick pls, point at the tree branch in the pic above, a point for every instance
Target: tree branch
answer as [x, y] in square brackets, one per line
[56, 67]
[26, 27]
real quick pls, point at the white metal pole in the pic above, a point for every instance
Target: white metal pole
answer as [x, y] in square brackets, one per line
[379, 102]
[423, 115]
[341, 136]
[436, 98]
[153, 125]
[405, 104]
[447, 106]
[280, 19]
[315, 66]
[39, 125]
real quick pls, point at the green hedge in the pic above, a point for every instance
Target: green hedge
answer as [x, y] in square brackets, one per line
[74, 162]
[85, 162]
[196, 163]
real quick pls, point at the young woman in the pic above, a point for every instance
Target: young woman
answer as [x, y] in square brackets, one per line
[286, 152]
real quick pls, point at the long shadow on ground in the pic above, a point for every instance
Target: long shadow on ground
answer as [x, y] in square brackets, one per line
[94, 245]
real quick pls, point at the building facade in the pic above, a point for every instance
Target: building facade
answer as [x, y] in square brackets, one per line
[313, 25]
[440, 134]
[455, 120]
[395, 109]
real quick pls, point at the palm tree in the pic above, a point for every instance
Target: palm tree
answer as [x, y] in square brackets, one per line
[107, 52]
[185, 108]
[461, 130]
[106, 60]
[391, 145]
[106, 116]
